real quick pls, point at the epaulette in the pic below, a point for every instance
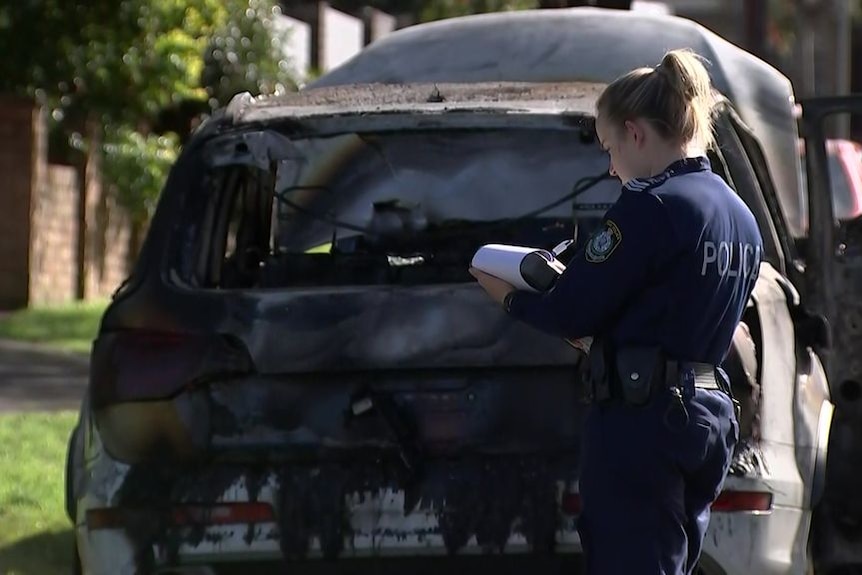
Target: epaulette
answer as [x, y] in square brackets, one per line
[643, 184]
[684, 166]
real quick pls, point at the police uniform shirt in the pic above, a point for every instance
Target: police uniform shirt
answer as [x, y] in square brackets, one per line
[673, 264]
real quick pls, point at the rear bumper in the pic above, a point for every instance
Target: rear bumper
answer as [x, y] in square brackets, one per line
[126, 516]
[435, 565]
[744, 543]
[225, 550]
[376, 522]
[385, 530]
[381, 524]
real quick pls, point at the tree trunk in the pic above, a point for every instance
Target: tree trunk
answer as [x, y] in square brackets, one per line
[90, 189]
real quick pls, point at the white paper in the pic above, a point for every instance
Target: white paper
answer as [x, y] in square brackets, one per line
[504, 262]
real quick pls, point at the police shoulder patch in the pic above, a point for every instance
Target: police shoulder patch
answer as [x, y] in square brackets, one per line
[603, 243]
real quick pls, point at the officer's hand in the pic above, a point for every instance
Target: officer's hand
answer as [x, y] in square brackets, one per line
[494, 286]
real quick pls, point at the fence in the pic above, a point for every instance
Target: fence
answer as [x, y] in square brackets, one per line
[57, 243]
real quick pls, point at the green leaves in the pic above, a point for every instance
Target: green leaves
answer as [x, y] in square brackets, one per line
[137, 165]
[247, 53]
[123, 63]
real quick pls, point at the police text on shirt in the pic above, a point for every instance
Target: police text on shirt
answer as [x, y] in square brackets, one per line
[731, 259]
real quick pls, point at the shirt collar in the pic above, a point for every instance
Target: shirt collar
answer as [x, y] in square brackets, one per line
[677, 168]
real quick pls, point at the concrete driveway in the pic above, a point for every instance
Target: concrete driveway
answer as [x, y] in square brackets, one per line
[35, 378]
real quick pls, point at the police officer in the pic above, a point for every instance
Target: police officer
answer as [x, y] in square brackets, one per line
[661, 285]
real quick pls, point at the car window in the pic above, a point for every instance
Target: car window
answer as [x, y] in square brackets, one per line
[842, 194]
[843, 202]
[395, 207]
[433, 181]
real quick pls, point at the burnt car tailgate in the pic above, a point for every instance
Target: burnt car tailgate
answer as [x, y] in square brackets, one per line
[442, 412]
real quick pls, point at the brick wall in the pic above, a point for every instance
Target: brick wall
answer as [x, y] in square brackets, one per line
[53, 255]
[106, 233]
[109, 235]
[56, 245]
[119, 253]
[22, 149]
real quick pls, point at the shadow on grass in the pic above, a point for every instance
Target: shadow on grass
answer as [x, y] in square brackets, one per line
[47, 553]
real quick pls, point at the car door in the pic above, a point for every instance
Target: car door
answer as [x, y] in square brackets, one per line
[833, 287]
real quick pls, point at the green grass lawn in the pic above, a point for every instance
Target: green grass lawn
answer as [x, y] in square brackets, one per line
[35, 535]
[70, 327]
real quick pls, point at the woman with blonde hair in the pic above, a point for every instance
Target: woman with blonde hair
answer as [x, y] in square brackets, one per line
[661, 286]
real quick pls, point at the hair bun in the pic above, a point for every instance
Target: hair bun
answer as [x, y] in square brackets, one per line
[675, 96]
[687, 75]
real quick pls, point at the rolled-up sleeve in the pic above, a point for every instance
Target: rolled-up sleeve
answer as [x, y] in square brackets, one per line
[634, 241]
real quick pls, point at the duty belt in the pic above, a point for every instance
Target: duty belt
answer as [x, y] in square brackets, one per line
[635, 374]
[704, 374]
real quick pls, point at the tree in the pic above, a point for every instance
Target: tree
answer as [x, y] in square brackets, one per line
[138, 167]
[118, 61]
[246, 54]
[119, 65]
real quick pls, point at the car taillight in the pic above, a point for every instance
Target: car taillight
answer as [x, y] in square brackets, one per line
[135, 432]
[571, 503]
[144, 365]
[728, 501]
[135, 378]
[183, 515]
[222, 514]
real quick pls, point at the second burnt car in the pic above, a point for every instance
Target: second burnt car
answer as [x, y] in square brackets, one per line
[301, 369]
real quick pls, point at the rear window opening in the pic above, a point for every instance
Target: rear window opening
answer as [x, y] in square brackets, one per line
[402, 208]
[391, 208]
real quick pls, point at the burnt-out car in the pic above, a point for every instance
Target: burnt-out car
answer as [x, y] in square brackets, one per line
[300, 372]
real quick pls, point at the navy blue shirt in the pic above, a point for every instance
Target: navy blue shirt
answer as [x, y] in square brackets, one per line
[673, 264]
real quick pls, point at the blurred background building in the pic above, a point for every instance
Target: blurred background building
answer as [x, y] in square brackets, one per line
[811, 41]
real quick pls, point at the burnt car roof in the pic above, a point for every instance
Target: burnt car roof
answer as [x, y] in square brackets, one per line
[575, 44]
[577, 98]
[588, 45]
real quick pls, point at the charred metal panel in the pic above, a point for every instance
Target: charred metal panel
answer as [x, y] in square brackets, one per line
[575, 97]
[341, 329]
[846, 367]
[346, 509]
[482, 411]
[845, 468]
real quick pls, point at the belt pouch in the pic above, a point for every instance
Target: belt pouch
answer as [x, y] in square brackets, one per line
[638, 370]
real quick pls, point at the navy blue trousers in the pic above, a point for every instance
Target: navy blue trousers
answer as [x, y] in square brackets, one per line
[647, 487]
